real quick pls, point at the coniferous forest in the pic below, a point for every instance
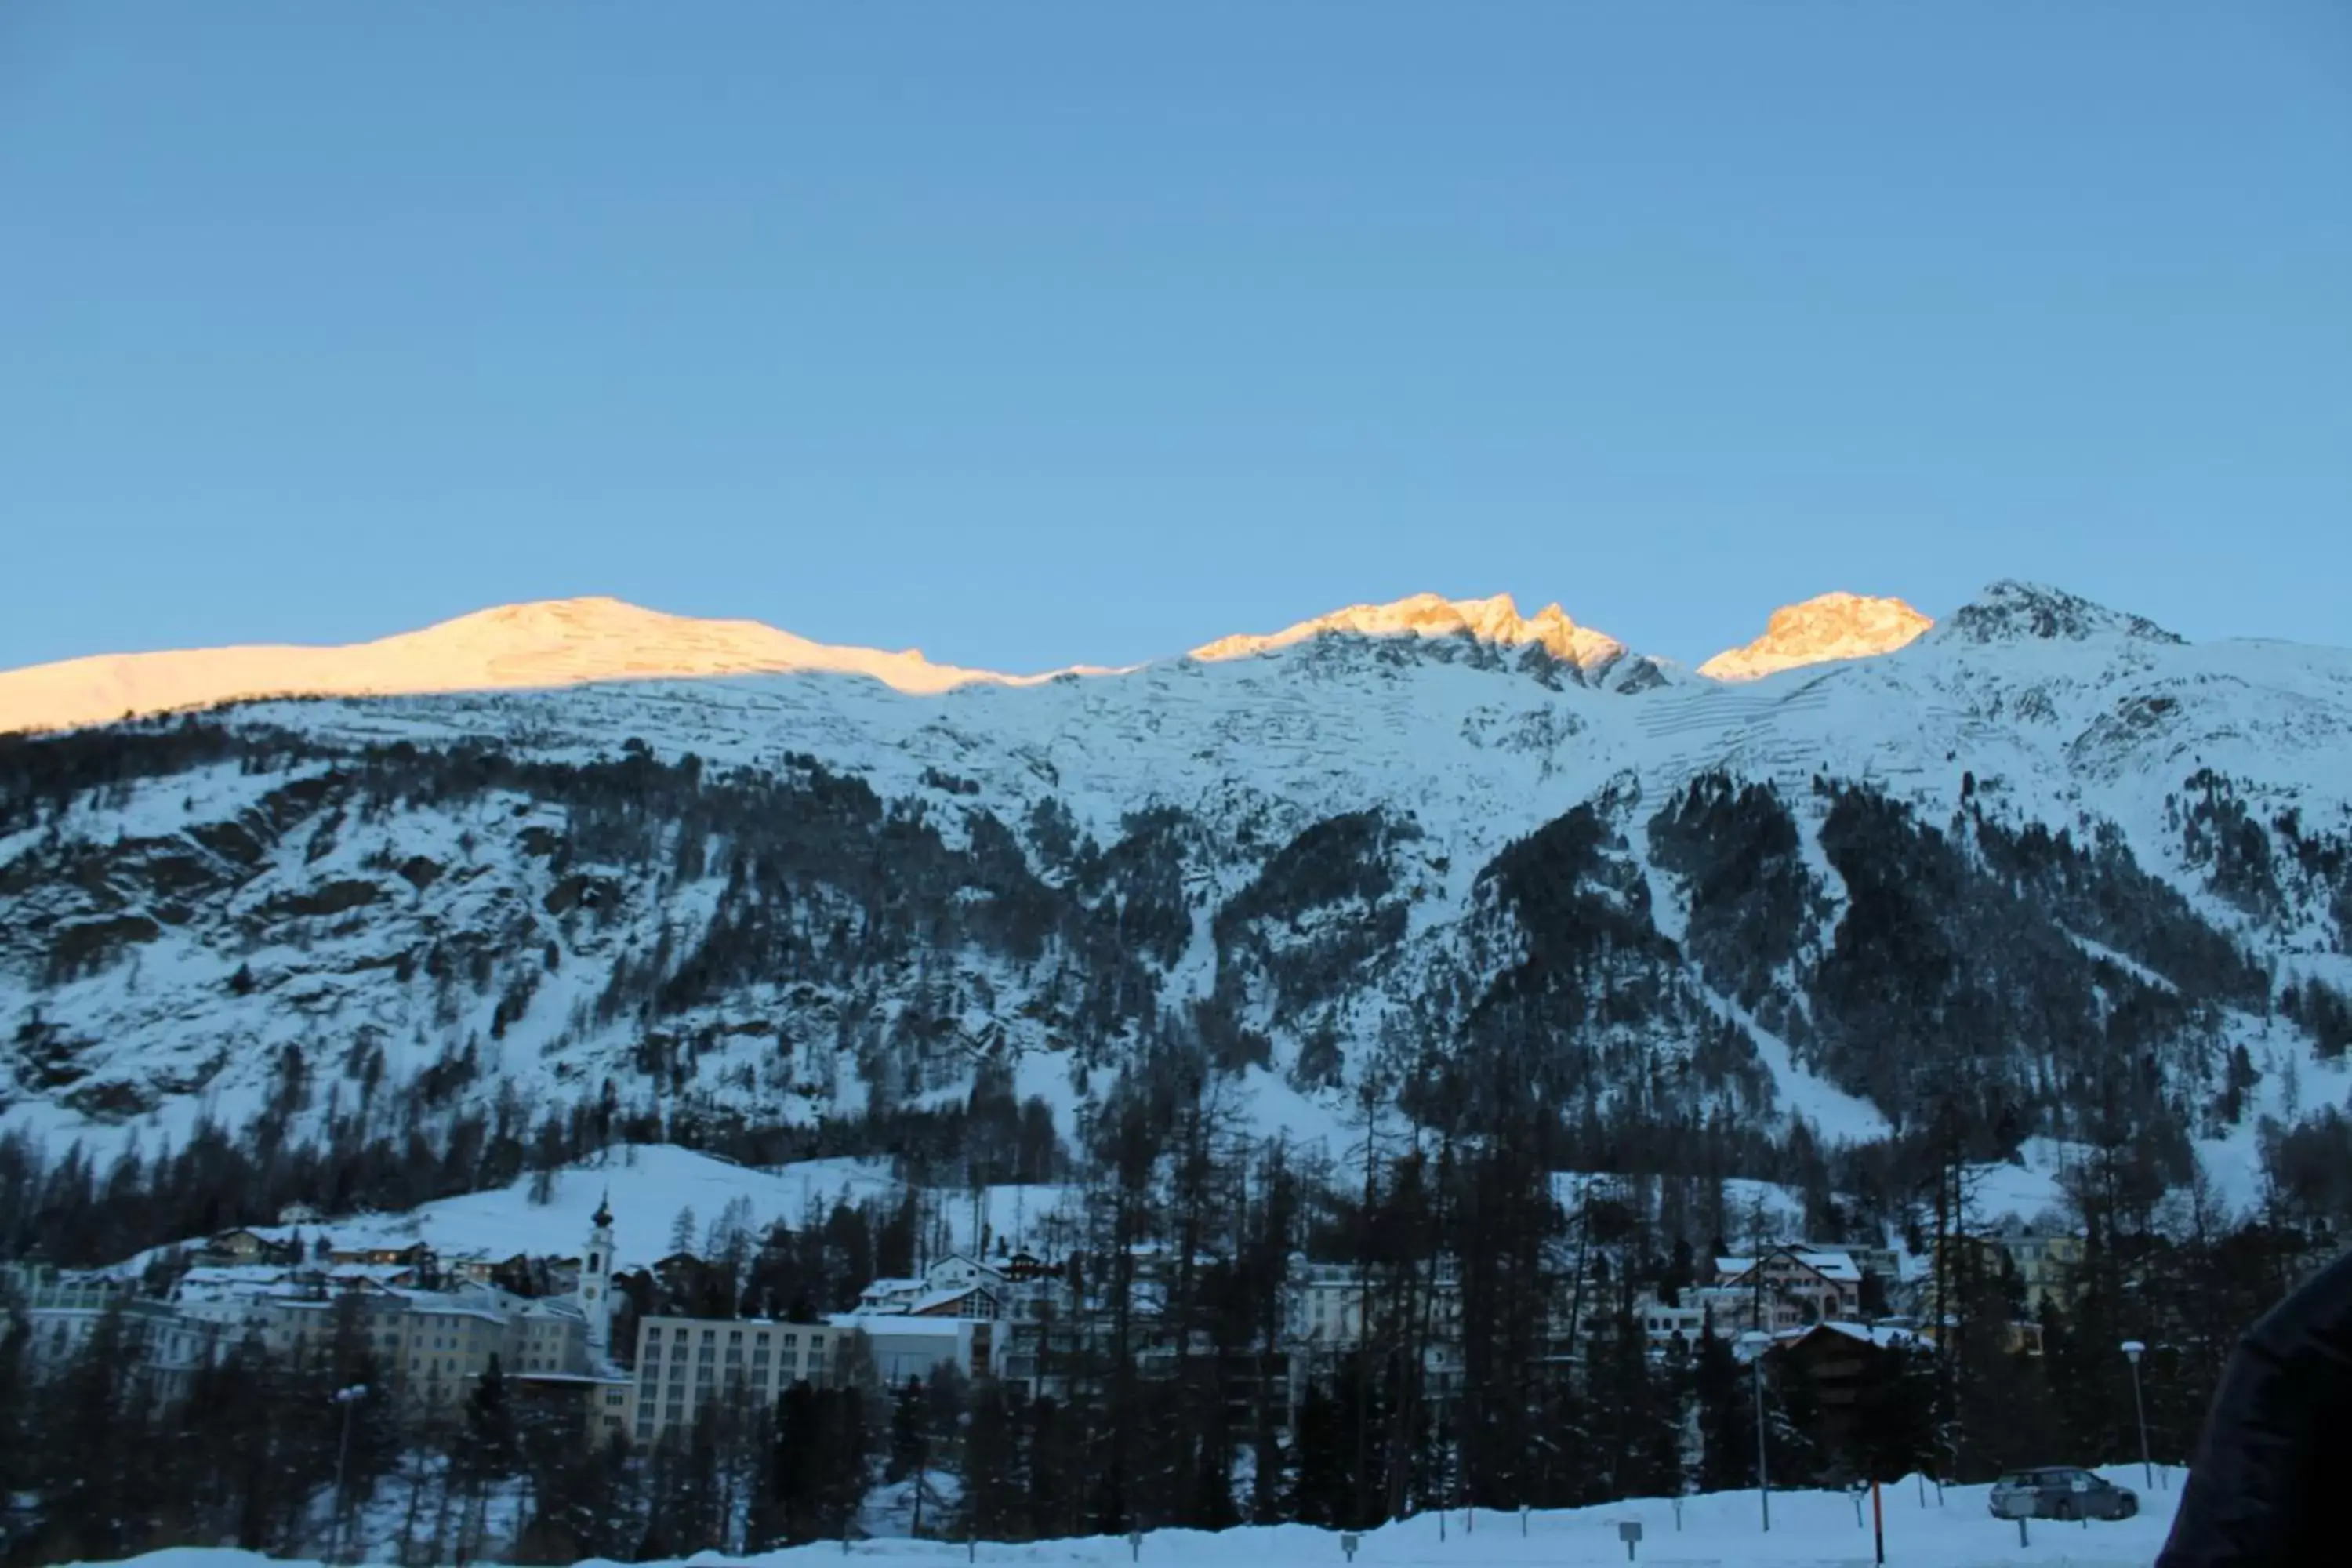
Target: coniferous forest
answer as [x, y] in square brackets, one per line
[1177, 1409]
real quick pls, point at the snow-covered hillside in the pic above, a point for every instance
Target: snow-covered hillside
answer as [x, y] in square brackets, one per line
[2042, 843]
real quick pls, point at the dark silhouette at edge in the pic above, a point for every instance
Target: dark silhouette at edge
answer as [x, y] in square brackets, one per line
[2276, 1443]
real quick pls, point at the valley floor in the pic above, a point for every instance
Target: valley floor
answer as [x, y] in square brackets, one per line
[1809, 1529]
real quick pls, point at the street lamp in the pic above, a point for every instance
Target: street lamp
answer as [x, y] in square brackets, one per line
[349, 1398]
[2133, 1351]
[1757, 1342]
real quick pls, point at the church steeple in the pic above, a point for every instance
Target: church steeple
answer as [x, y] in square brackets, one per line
[595, 1290]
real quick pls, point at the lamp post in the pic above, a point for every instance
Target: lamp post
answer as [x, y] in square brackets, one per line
[2133, 1349]
[1756, 1341]
[348, 1399]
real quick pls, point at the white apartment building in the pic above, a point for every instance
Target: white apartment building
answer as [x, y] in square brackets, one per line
[61, 1311]
[1326, 1303]
[1662, 1324]
[686, 1363]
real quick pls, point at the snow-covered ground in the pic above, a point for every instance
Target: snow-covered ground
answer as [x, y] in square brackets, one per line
[651, 1185]
[1809, 1529]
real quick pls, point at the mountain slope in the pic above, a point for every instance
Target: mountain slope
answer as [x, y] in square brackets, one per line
[2045, 863]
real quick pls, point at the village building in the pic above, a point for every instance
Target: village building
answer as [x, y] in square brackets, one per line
[685, 1364]
[1826, 1284]
[1845, 1375]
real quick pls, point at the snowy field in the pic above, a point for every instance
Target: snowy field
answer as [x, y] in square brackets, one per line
[650, 1185]
[1809, 1529]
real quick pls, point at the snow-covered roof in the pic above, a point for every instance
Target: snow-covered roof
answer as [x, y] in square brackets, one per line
[1886, 1336]
[232, 1274]
[894, 1324]
[426, 1304]
[608, 1379]
[562, 1307]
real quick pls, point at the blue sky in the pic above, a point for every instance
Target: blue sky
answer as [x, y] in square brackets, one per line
[1046, 332]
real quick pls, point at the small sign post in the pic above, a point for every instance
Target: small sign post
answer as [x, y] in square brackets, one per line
[1629, 1530]
[1135, 1546]
[1349, 1542]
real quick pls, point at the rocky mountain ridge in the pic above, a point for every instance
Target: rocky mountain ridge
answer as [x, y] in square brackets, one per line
[1822, 630]
[572, 642]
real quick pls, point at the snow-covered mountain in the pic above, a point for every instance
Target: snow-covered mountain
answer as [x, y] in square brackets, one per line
[587, 641]
[1495, 620]
[558, 642]
[2043, 860]
[1821, 631]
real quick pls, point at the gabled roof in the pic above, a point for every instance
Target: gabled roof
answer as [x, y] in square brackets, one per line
[1884, 1337]
[927, 1305]
[1836, 1267]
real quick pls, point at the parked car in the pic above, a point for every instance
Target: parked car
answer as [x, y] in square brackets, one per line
[2060, 1492]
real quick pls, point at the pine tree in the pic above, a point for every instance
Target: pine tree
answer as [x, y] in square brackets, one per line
[1895, 1415]
[846, 1456]
[994, 1484]
[1321, 1487]
[1726, 1422]
[91, 1427]
[907, 1438]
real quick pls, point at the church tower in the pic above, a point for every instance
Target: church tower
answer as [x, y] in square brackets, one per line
[595, 1288]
